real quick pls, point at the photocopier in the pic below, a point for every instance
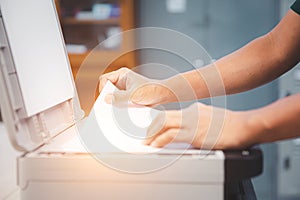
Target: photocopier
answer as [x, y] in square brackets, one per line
[42, 114]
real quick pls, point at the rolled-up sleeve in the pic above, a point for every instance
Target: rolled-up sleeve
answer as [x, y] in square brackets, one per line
[296, 6]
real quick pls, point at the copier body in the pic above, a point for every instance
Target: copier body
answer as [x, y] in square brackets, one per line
[41, 112]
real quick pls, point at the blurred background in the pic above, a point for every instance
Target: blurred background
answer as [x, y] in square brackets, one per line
[220, 27]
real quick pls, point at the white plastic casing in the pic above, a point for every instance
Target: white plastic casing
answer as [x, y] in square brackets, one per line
[38, 95]
[38, 101]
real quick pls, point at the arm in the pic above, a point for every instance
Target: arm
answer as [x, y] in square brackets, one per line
[278, 121]
[239, 129]
[257, 63]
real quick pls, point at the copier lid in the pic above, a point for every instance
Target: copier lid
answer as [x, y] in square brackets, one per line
[38, 95]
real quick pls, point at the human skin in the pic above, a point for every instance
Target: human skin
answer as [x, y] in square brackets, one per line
[260, 61]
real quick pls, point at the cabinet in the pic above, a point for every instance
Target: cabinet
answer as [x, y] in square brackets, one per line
[85, 25]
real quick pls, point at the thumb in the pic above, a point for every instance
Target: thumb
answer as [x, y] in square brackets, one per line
[140, 97]
[123, 97]
[145, 95]
[120, 98]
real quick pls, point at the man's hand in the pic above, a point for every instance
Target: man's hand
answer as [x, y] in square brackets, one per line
[202, 126]
[136, 88]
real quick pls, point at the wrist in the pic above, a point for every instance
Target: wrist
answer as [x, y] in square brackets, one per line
[256, 127]
[167, 92]
[178, 89]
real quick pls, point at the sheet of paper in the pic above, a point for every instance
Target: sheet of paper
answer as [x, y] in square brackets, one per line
[111, 128]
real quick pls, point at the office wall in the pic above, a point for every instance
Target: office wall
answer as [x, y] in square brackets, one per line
[221, 27]
[288, 151]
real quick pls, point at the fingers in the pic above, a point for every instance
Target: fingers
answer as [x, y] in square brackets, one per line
[112, 76]
[133, 87]
[139, 96]
[147, 94]
[115, 77]
[125, 97]
[120, 98]
[127, 81]
[178, 126]
[164, 129]
[169, 136]
[108, 98]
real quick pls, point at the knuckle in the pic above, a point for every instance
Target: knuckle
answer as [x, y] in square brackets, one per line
[104, 77]
[168, 136]
[197, 143]
[100, 78]
[123, 69]
[161, 141]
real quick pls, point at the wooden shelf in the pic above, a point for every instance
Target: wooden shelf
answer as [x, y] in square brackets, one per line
[74, 21]
[94, 58]
[88, 67]
[108, 60]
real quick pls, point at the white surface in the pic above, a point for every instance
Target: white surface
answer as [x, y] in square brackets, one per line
[125, 127]
[8, 171]
[102, 131]
[121, 129]
[39, 54]
[78, 176]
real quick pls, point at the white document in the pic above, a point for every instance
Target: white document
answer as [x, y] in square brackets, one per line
[117, 129]
[110, 129]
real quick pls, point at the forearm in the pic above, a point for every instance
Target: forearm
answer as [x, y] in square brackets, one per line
[278, 121]
[242, 70]
[251, 66]
[255, 64]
